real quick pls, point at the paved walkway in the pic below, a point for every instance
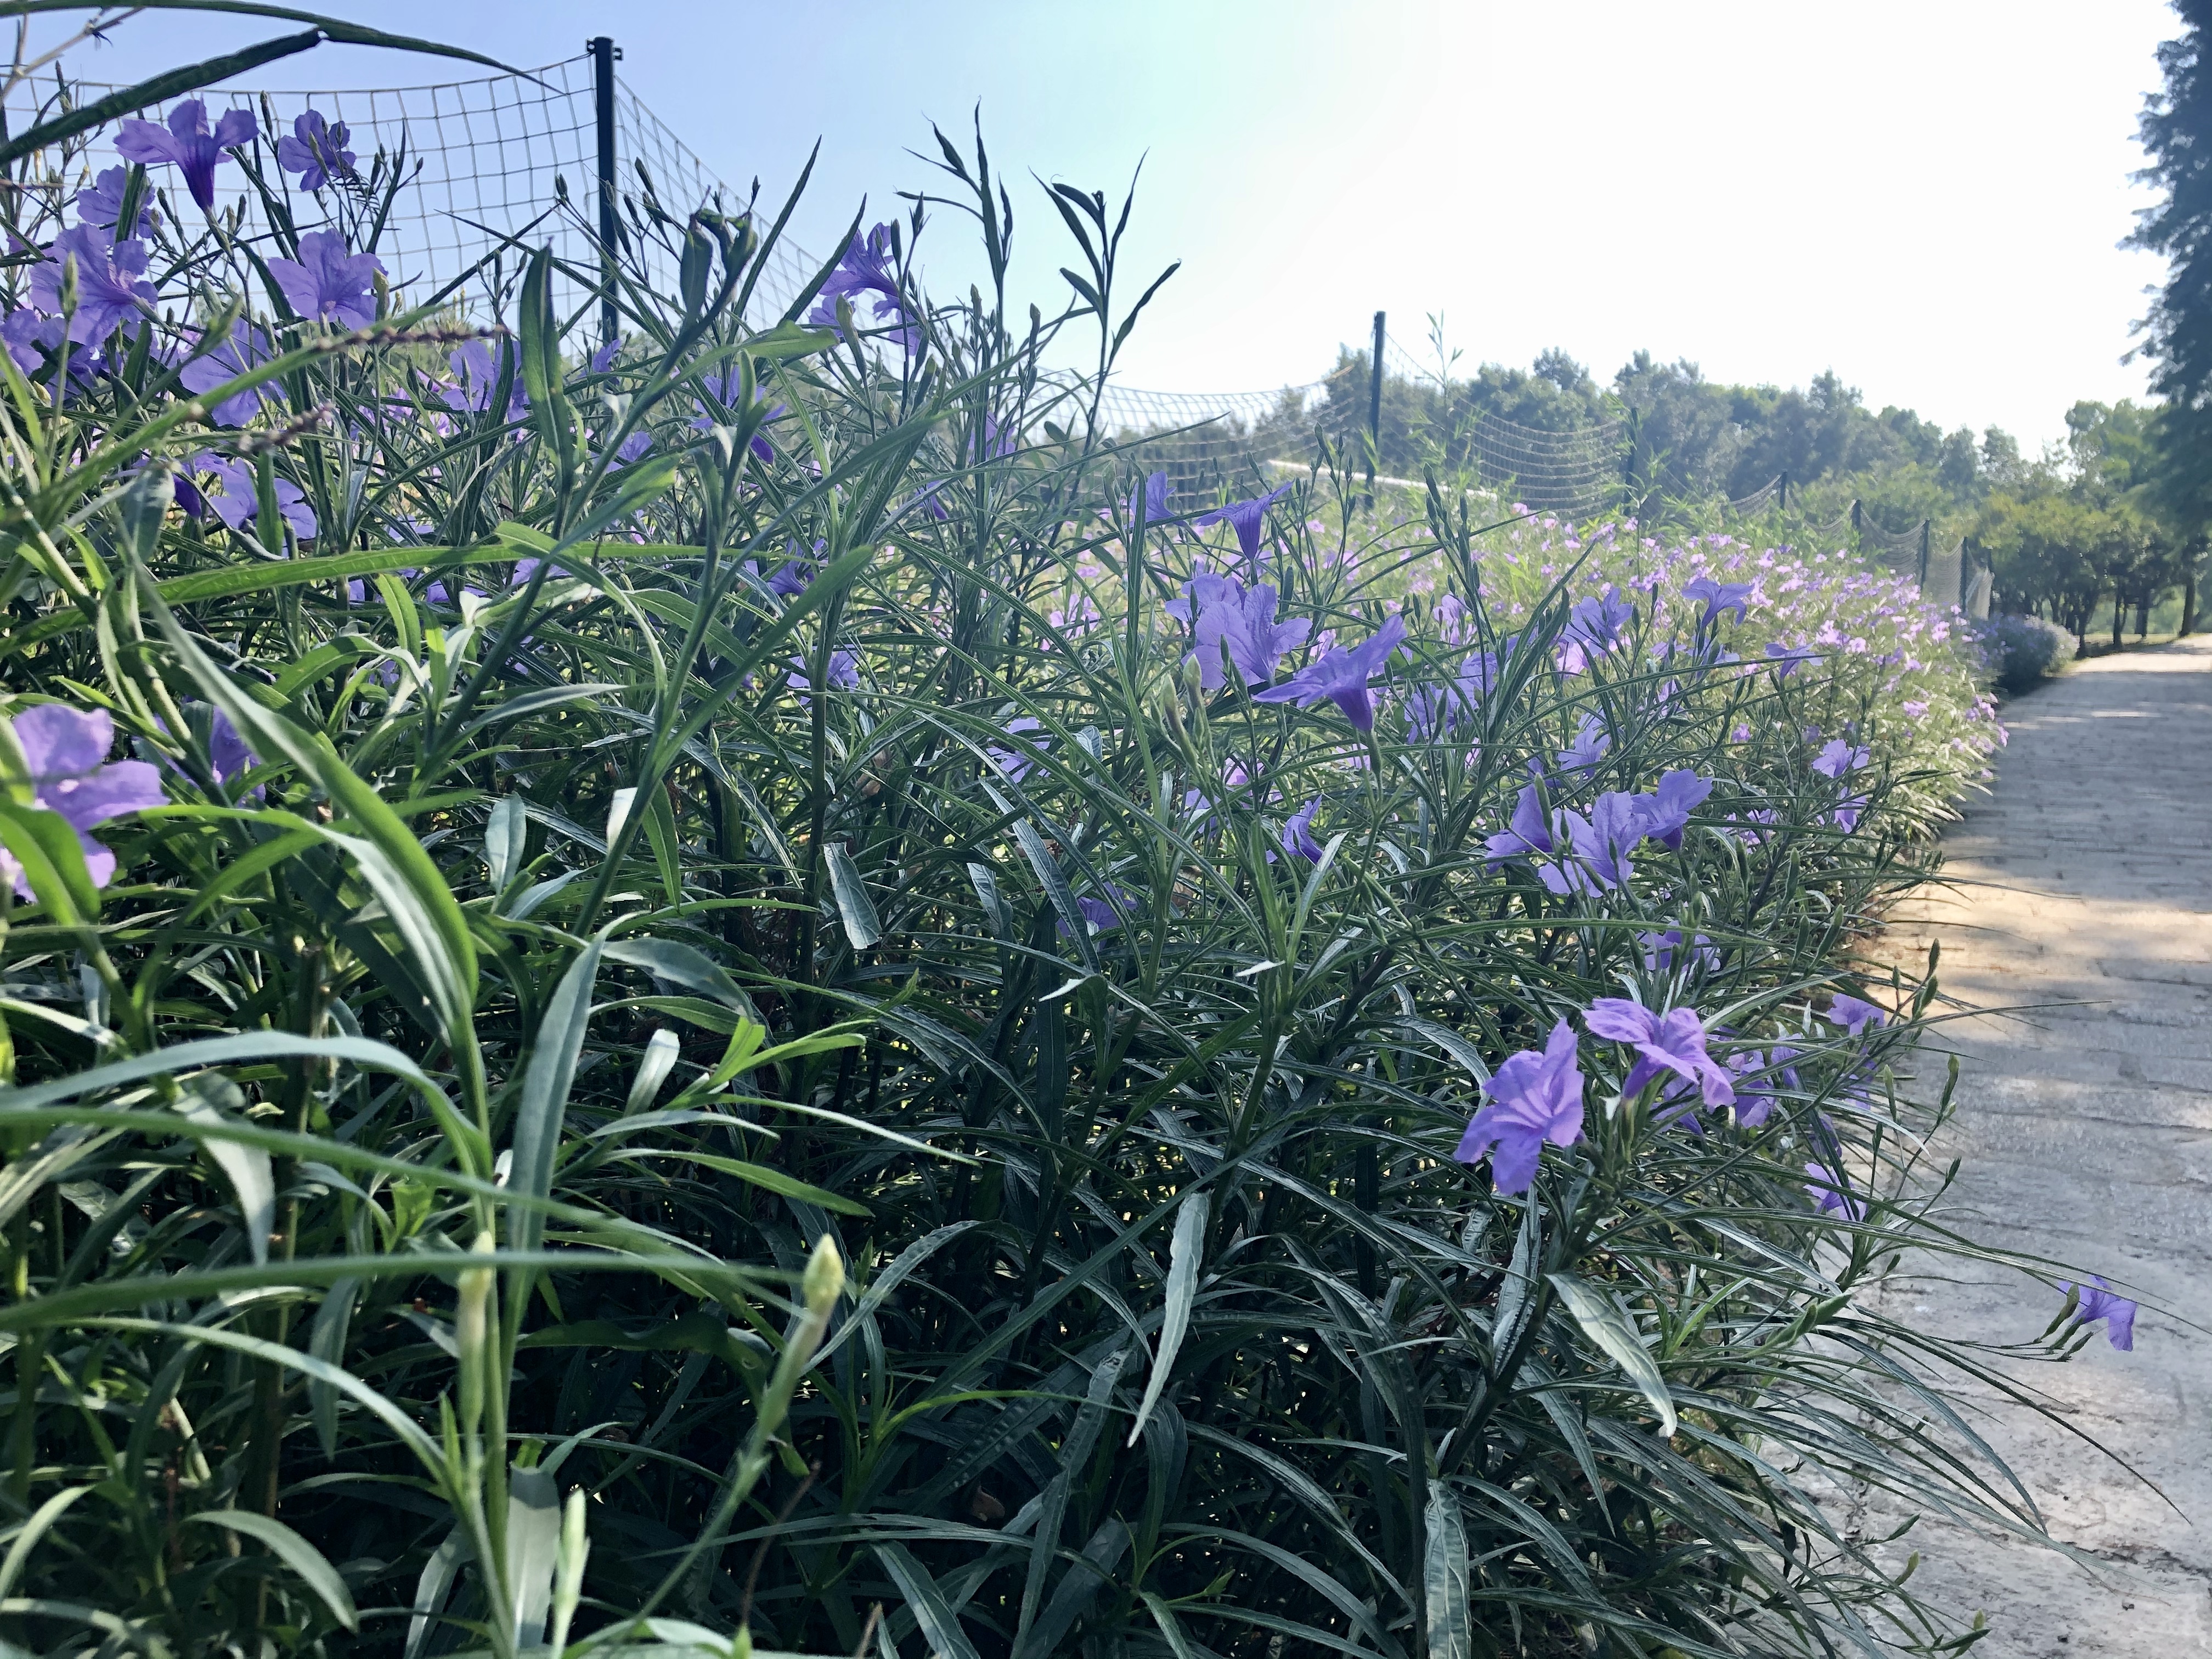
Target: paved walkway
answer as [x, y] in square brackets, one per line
[2085, 1135]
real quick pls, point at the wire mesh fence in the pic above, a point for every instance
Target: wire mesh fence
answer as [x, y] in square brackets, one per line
[496, 165]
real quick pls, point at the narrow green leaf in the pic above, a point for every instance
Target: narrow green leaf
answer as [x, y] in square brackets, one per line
[854, 908]
[1604, 1323]
[545, 1084]
[1185, 1257]
[294, 1551]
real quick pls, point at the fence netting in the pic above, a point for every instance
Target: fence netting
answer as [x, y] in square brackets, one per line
[499, 164]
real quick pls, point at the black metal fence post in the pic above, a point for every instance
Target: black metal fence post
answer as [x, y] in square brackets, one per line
[1374, 411]
[1786, 492]
[604, 56]
[1923, 554]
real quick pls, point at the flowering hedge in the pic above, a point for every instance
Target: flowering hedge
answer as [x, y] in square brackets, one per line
[973, 1059]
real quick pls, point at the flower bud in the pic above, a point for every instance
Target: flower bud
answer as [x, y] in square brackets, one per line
[825, 1281]
[568, 1567]
[471, 1330]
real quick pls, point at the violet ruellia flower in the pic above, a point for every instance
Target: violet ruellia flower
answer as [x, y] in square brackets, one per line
[1673, 1041]
[66, 751]
[187, 145]
[1016, 763]
[325, 282]
[1297, 834]
[1853, 1015]
[1662, 951]
[843, 674]
[1530, 835]
[869, 266]
[1587, 749]
[229, 758]
[1839, 757]
[1828, 1193]
[235, 498]
[1150, 498]
[1755, 1075]
[316, 151]
[226, 359]
[1247, 519]
[1598, 845]
[1534, 1097]
[1665, 813]
[1222, 611]
[100, 202]
[1592, 626]
[2097, 1300]
[476, 378]
[112, 289]
[1438, 710]
[1717, 598]
[1342, 676]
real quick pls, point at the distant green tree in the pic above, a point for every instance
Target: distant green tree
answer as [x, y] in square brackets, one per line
[2177, 135]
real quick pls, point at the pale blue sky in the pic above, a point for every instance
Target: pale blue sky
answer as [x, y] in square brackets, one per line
[1925, 195]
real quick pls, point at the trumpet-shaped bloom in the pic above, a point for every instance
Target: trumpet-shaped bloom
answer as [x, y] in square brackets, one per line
[2098, 1300]
[476, 378]
[1756, 1075]
[1662, 950]
[1534, 1097]
[316, 151]
[1598, 847]
[1717, 596]
[1247, 519]
[1439, 710]
[796, 572]
[1223, 613]
[843, 674]
[1787, 659]
[1593, 625]
[66, 750]
[1016, 763]
[1297, 834]
[1530, 833]
[1591, 741]
[112, 289]
[187, 145]
[1853, 1015]
[1150, 500]
[1341, 676]
[229, 757]
[231, 495]
[1838, 756]
[327, 283]
[29, 337]
[226, 359]
[1673, 1041]
[100, 202]
[1829, 1193]
[869, 266]
[1665, 813]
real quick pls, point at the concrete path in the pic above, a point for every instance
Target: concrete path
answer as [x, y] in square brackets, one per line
[2086, 1132]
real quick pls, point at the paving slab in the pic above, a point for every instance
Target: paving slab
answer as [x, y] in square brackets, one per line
[2078, 900]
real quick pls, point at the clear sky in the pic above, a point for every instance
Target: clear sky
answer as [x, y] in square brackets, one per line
[1925, 196]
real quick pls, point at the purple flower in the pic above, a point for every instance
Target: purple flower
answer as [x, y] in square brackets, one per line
[843, 674]
[728, 390]
[1848, 812]
[1587, 749]
[315, 150]
[603, 358]
[111, 291]
[1599, 845]
[1534, 1097]
[1016, 763]
[1592, 626]
[229, 758]
[1297, 834]
[30, 338]
[1673, 1041]
[630, 449]
[796, 572]
[1247, 519]
[1150, 499]
[187, 145]
[1660, 950]
[1665, 813]
[234, 496]
[100, 202]
[66, 750]
[1530, 833]
[2097, 1300]
[1755, 1077]
[1226, 614]
[1786, 659]
[869, 267]
[245, 349]
[327, 282]
[1438, 710]
[1341, 676]
[1717, 596]
[1838, 756]
[476, 378]
[926, 499]
[1829, 1193]
[1853, 1015]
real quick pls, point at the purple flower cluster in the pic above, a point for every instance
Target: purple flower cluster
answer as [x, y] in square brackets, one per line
[1591, 854]
[1223, 614]
[66, 751]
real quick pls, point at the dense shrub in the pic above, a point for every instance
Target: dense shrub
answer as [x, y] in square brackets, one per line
[747, 927]
[2022, 652]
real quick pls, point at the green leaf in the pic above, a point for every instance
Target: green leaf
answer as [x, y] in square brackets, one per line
[854, 908]
[757, 1175]
[1185, 1256]
[1444, 1578]
[53, 858]
[940, 1626]
[251, 1178]
[545, 1085]
[296, 1552]
[1604, 1323]
[36, 1527]
[505, 835]
[684, 964]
